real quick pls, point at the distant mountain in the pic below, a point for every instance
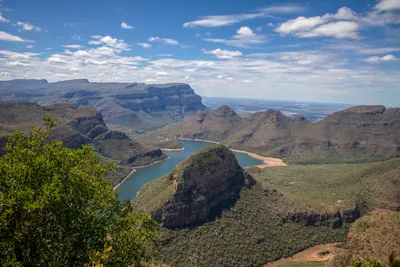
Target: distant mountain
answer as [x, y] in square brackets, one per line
[125, 105]
[77, 126]
[357, 134]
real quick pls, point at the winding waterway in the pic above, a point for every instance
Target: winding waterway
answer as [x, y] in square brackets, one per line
[131, 186]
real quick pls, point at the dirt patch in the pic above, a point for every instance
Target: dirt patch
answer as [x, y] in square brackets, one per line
[314, 254]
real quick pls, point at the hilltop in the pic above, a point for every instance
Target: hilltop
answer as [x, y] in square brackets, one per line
[214, 213]
[357, 134]
[124, 105]
[77, 126]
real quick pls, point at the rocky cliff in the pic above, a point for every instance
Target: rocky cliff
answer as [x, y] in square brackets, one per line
[130, 105]
[77, 126]
[196, 189]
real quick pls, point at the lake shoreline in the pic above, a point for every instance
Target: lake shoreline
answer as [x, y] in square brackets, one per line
[268, 162]
[115, 187]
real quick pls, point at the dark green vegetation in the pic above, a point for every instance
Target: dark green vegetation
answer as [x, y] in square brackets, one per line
[250, 233]
[246, 230]
[370, 185]
[56, 209]
[376, 235]
[129, 105]
[358, 134]
[77, 126]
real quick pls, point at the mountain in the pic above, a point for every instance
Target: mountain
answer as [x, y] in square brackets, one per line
[125, 105]
[357, 134]
[188, 195]
[77, 126]
[213, 213]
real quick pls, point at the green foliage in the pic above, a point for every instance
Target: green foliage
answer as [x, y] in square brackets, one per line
[56, 209]
[249, 234]
[371, 262]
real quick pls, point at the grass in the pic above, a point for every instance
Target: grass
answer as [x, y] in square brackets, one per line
[248, 234]
[369, 185]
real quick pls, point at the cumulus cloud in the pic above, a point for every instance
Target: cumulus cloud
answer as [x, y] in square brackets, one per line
[12, 38]
[124, 25]
[144, 45]
[244, 37]
[17, 64]
[377, 59]
[167, 41]
[223, 54]
[162, 73]
[299, 24]
[226, 20]
[116, 43]
[57, 60]
[387, 5]
[339, 29]
[26, 26]
[73, 46]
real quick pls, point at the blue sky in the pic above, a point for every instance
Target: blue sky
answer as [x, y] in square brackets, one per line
[326, 51]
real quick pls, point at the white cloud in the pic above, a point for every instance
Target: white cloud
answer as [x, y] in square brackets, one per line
[144, 45]
[17, 64]
[57, 60]
[29, 46]
[224, 54]
[95, 62]
[387, 5]
[165, 55]
[226, 20]
[247, 81]
[244, 37]
[76, 37]
[118, 44]
[339, 29]
[299, 24]
[245, 31]
[167, 41]
[73, 46]
[3, 19]
[124, 25]
[149, 81]
[26, 26]
[12, 38]
[376, 59]
[162, 73]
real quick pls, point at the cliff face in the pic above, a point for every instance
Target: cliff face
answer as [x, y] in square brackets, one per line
[333, 218]
[131, 105]
[199, 186]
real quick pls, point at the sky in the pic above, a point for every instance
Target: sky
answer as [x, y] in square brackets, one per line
[343, 51]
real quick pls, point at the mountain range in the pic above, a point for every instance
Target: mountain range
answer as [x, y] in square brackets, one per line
[357, 134]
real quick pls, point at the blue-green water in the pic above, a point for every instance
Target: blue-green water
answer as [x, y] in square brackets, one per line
[131, 186]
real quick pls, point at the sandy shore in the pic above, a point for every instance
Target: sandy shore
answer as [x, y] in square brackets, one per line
[172, 149]
[268, 162]
[134, 170]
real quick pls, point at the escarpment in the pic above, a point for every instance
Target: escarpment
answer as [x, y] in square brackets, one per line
[196, 189]
[128, 105]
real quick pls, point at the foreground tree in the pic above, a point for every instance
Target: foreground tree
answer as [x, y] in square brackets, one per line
[56, 209]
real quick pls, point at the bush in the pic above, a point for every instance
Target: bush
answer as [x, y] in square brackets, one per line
[56, 209]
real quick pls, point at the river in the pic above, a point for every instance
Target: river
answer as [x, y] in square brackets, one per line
[131, 186]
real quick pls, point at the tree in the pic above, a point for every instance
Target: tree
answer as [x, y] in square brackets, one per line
[371, 262]
[56, 208]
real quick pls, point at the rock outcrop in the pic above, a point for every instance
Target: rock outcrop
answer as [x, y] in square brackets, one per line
[334, 218]
[199, 187]
[131, 105]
